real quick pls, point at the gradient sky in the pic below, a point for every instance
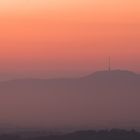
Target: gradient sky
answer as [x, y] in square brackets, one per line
[68, 37]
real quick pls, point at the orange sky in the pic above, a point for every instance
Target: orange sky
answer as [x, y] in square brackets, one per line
[68, 37]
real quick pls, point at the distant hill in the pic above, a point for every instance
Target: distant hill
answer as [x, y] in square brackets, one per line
[102, 99]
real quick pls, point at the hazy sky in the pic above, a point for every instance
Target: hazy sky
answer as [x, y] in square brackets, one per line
[68, 37]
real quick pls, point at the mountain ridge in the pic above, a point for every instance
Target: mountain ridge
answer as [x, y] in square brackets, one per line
[93, 100]
[96, 74]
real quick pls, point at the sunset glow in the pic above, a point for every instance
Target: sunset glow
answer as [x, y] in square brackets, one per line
[68, 37]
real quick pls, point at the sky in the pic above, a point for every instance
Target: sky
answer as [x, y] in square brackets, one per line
[54, 38]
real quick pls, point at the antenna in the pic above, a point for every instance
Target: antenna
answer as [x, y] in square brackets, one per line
[109, 64]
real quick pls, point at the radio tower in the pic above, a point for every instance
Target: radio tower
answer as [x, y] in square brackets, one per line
[109, 64]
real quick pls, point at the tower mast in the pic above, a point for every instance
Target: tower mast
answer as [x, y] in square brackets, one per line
[109, 64]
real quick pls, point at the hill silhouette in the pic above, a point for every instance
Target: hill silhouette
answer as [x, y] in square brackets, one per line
[102, 99]
[114, 134]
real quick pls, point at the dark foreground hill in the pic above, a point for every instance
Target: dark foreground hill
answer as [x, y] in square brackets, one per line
[114, 134]
[104, 99]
